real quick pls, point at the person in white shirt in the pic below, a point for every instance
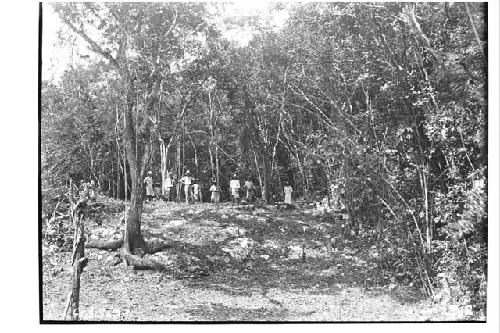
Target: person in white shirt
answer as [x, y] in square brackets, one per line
[196, 191]
[169, 186]
[250, 187]
[234, 186]
[92, 190]
[149, 186]
[288, 193]
[215, 193]
[187, 181]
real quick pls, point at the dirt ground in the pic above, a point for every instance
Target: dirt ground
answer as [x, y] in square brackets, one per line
[230, 264]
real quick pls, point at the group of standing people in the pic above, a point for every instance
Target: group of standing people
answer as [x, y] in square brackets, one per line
[235, 187]
[190, 185]
[192, 189]
[249, 187]
[87, 190]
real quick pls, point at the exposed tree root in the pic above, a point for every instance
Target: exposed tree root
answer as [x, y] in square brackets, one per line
[117, 244]
[136, 260]
[156, 247]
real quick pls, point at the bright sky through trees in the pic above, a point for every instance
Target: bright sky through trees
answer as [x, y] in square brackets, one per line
[58, 55]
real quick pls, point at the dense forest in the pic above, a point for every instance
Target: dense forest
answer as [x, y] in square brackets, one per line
[383, 105]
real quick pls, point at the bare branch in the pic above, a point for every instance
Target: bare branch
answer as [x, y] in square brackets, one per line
[94, 46]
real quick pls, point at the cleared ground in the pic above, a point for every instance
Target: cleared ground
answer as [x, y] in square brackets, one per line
[231, 264]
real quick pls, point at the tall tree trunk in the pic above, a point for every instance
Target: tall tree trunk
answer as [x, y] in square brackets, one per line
[112, 186]
[266, 169]
[117, 178]
[217, 170]
[178, 183]
[211, 157]
[163, 165]
[133, 238]
[125, 178]
[196, 160]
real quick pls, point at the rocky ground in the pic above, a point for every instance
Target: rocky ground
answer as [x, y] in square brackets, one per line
[230, 264]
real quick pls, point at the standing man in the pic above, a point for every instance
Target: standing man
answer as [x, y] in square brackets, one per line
[149, 186]
[84, 189]
[234, 187]
[196, 191]
[187, 180]
[169, 186]
[288, 193]
[215, 191]
[92, 189]
[250, 187]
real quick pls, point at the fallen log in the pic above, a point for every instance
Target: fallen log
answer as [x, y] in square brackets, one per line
[141, 263]
[117, 244]
[104, 245]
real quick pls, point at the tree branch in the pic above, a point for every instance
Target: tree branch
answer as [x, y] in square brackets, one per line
[94, 46]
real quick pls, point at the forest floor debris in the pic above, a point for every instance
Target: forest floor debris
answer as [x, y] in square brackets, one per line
[231, 265]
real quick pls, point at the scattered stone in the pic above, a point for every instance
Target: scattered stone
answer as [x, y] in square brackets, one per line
[294, 252]
[264, 256]
[211, 223]
[176, 223]
[359, 262]
[270, 244]
[332, 271]
[244, 217]
[239, 248]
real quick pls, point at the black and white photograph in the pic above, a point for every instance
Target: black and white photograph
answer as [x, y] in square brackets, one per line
[264, 162]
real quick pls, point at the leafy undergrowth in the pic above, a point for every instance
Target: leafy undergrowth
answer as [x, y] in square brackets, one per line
[229, 264]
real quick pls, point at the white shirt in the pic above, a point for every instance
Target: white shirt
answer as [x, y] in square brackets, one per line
[148, 180]
[186, 180]
[234, 183]
[169, 182]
